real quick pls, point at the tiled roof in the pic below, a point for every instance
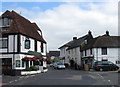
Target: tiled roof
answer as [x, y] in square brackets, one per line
[54, 53]
[79, 41]
[19, 24]
[66, 45]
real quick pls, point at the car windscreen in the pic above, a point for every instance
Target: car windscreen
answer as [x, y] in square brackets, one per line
[103, 63]
[107, 63]
[59, 64]
[98, 63]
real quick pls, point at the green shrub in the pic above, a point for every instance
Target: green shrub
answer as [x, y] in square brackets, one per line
[28, 69]
[32, 68]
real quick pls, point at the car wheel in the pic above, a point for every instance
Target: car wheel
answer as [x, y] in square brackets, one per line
[116, 69]
[101, 69]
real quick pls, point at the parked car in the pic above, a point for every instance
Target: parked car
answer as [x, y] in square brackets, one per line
[59, 66]
[105, 65]
[52, 64]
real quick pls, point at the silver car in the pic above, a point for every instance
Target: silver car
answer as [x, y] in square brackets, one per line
[59, 66]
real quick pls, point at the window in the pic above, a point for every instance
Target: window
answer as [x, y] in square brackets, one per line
[27, 44]
[5, 22]
[104, 51]
[3, 43]
[7, 61]
[42, 47]
[85, 41]
[17, 63]
[69, 52]
[118, 62]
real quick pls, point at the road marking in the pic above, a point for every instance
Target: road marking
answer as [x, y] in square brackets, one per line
[101, 77]
[15, 80]
[75, 77]
[32, 75]
[22, 76]
[11, 81]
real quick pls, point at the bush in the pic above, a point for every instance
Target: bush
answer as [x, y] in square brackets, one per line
[32, 68]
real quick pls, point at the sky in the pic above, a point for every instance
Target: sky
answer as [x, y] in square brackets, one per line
[61, 21]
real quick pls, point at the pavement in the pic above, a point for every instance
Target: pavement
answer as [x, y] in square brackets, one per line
[65, 77]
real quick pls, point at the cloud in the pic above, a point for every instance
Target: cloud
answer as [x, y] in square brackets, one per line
[57, 0]
[61, 23]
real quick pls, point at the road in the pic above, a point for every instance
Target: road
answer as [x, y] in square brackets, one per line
[64, 77]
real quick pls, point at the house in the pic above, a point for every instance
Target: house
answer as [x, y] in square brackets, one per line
[23, 44]
[101, 48]
[73, 51]
[63, 52]
[54, 54]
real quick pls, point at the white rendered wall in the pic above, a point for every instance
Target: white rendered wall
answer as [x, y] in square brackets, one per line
[12, 42]
[38, 46]
[112, 54]
[22, 39]
[75, 54]
[63, 51]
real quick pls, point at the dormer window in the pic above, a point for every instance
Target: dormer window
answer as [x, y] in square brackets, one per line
[85, 41]
[5, 22]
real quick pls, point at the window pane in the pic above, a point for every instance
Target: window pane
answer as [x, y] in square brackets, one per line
[4, 43]
[104, 51]
[17, 63]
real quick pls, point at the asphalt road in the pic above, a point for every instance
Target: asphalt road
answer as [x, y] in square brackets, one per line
[64, 77]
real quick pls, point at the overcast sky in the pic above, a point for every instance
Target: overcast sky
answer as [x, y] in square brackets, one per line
[61, 21]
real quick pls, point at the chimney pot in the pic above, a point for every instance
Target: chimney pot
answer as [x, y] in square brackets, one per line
[89, 32]
[107, 33]
[74, 38]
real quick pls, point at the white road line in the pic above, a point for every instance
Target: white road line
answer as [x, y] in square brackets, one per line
[101, 77]
[22, 76]
[11, 81]
[32, 75]
[15, 80]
